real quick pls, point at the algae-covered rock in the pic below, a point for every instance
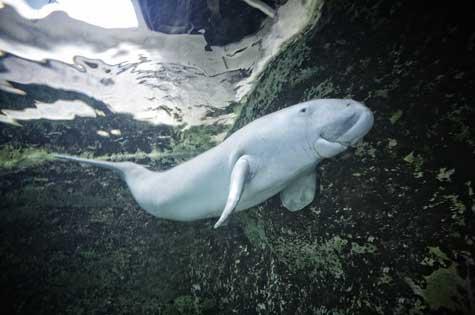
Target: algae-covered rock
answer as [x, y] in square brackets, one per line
[391, 232]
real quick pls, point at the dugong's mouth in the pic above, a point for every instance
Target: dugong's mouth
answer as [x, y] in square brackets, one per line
[347, 132]
[359, 129]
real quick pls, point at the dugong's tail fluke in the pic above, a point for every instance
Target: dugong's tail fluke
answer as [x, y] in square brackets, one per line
[115, 166]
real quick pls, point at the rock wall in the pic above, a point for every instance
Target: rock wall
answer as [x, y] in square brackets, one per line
[392, 232]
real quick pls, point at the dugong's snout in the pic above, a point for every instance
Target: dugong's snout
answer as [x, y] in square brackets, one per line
[359, 125]
[349, 121]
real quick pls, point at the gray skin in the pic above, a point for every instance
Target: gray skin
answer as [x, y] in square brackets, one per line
[276, 153]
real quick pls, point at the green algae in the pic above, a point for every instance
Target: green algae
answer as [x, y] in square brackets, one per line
[365, 149]
[187, 304]
[445, 174]
[322, 258]
[187, 144]
[12, 158]
[305, 74]
[395, 117]
[444, 287]
[296, 253]
[362, 249]
[198, 138]
[461, 131]
[286, 70]
[322, 90]
[254, 229]
[441, 289]
[191, 142]
[416, 161]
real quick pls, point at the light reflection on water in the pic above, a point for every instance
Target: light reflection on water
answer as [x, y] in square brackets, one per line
[170, 93]
[158, 78]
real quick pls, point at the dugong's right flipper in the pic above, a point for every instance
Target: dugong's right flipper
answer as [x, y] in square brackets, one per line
[301, 192]
[238, 178]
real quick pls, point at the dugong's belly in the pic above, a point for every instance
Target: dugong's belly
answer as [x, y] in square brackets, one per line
[273, 178]
[202, 205]
[199, 204]
[253, 196]
[206, 197]
[193, 193]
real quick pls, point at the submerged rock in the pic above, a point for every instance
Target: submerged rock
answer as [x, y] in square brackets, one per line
[392, 231]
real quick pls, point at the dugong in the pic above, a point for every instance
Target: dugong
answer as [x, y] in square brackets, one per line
[277, 153]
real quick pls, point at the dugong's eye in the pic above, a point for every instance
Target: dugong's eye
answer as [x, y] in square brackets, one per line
[303, 110]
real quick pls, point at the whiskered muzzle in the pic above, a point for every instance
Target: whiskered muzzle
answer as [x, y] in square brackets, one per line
[348, 125]
[334, 131]
[358, 130]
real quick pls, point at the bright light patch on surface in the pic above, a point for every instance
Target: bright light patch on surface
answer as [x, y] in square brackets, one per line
[8, 120]
[7, 87]
[157, 78]
[60, 110]
[103, 133]
[102, 13]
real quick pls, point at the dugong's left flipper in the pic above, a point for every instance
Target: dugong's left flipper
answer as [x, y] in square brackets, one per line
[238, 178]
[301, 192]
